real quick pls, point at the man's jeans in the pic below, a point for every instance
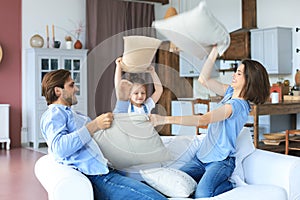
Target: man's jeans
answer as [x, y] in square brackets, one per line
[212, 178]
[114, 186]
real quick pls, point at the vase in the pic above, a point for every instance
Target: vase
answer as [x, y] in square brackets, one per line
[36, 41]
[77, 44]
[69, 44]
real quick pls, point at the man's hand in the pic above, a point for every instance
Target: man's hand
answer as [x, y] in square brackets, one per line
[104, 121]
[100, 123]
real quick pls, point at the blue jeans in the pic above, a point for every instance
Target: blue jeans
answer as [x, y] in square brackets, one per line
[212, 178]
[115, 186]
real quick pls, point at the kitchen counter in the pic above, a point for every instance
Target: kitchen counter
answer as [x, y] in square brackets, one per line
[281, 108]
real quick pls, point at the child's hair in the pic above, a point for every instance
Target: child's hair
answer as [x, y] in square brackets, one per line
[134, 78]
[138, 81]
[257, 85]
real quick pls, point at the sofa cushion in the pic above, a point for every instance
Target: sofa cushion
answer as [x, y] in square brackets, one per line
[131, 140]
[244, 147]
[195, 31]
[250, 192]
[171, 182]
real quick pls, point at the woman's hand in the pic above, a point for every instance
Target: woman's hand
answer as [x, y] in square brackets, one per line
[157, 119]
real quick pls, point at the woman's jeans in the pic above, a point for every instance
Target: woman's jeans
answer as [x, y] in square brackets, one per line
[212, 178]
[115, 186]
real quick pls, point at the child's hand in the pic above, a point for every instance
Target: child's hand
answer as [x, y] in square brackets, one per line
[124, 89]
[150, 69]
[118, 62]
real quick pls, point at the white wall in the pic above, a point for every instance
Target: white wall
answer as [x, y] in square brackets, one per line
[63, 14]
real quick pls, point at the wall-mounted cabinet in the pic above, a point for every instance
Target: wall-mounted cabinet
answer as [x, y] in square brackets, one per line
[273, 48]
[190, 66]
[40, 61]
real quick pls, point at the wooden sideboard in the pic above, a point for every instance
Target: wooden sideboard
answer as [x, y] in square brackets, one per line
[281, 108]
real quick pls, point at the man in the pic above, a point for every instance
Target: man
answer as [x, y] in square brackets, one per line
[69, 138]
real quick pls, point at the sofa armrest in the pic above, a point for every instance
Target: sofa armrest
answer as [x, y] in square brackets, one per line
[265, 167]
[62, 182]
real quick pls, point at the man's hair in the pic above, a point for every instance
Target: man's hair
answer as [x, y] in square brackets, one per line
[51, 80]
[257, 84]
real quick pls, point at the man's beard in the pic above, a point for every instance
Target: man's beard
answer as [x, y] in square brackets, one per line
[71, 100]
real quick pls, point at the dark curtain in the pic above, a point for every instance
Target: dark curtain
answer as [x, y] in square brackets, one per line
[108, 21]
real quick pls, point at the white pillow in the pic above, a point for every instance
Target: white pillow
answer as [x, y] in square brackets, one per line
[131, 140]
[195, 31]
[171, 182]
[139, 52]
[244, 147]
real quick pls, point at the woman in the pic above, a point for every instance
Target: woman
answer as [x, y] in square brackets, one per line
[214, 161]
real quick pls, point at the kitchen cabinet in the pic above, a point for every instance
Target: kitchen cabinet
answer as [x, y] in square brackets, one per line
[273, 48]
[40, 61]
[190, 66]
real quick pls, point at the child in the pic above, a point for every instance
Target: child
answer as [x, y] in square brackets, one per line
[139, 103]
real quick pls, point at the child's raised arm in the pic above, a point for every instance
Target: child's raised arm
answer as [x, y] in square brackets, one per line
[158, 89]
[118, 75]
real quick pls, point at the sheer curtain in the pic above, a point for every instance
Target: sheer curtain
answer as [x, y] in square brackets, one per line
[107, 22]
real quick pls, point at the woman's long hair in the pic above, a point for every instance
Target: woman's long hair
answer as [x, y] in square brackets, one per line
[257, 84]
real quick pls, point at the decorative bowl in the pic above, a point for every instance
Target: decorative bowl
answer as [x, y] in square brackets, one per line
[274, 136]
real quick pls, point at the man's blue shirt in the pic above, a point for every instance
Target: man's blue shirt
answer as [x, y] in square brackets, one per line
[70, 142]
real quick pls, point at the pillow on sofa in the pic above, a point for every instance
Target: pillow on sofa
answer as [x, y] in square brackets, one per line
[244, 147]
[195, 31]
[171, 182]
[131, 140]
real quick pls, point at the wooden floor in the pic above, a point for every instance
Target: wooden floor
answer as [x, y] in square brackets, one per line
[17, 179]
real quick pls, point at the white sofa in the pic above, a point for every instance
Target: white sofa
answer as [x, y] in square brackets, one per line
[268, 176]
